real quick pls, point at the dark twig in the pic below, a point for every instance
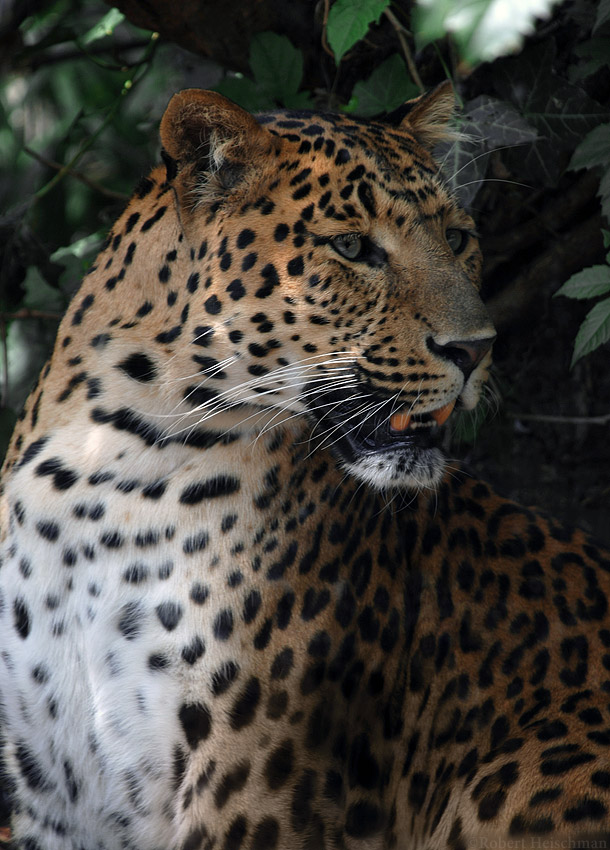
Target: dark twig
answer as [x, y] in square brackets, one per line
[78, 175]
[571, 420]
[401, 33]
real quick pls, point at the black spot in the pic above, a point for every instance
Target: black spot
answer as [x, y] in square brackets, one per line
[363, 819]
[271, 280]
[266, 835]
[153, 219]
[30, 769]
[199, 593]
[196, 721]
[228, 522]
[223, 678]
[21, 617]
[555, 766]
[279, 765]
[303, 794]
[223, 625]
[63, 478]
[170, 335]
[48, 529]
[281, 232]
[245, 238]
[202, 335]
[282, 664]
[233, 781]
[362, 765]
[212, 305]
[135, 573]
[220, 485]
[139, 366]
[586, 809]
[169, 614]
[244, 708]
[196, 543]
[112, 540]
[235, 834]
[193, 651]
[154, 490]
[491, 804]
[130, 620]
[418, 790]
[158, 661]
[295, 266]
[236, 289]
[365, 193]
[72, 785]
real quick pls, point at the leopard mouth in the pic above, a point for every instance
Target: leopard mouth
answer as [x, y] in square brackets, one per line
[358, 424]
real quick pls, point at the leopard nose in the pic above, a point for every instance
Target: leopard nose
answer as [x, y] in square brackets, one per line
[466, 354]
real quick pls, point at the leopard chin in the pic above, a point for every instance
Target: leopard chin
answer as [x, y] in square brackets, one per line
[399, 469]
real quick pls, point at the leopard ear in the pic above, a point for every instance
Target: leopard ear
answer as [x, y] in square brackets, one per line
[210, 144]
[426, 117]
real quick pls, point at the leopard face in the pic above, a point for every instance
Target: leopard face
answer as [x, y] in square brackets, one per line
[335, 279]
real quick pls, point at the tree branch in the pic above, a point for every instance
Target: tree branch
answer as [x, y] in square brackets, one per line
[78, 175]
[571, 420]
[400, 32]
[27, 313]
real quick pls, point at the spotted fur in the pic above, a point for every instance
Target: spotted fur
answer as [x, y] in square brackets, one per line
[242, 606]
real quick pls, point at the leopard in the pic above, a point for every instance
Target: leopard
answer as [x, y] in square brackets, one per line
[246, 601]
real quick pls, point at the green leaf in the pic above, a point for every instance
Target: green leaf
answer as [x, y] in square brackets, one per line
[245, 93]
[595, 53]
[594, 331]
[593, 150]
[592, 281]
[103, 28]
[386, 89]
[76, 259]
[348, 22]
[39, 295]
[606, 237]
[276, 64]
[603, 14]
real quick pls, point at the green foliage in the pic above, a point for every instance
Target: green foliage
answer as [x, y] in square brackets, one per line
[87, 97]
[105, 27]
[588, 283]
[593, 152]
[386, 89]
[277, 68]
[349, 21]
[594, 331]
[560, 112]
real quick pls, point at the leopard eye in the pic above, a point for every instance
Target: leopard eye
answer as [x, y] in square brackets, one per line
[456, 239]
[349, 245]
